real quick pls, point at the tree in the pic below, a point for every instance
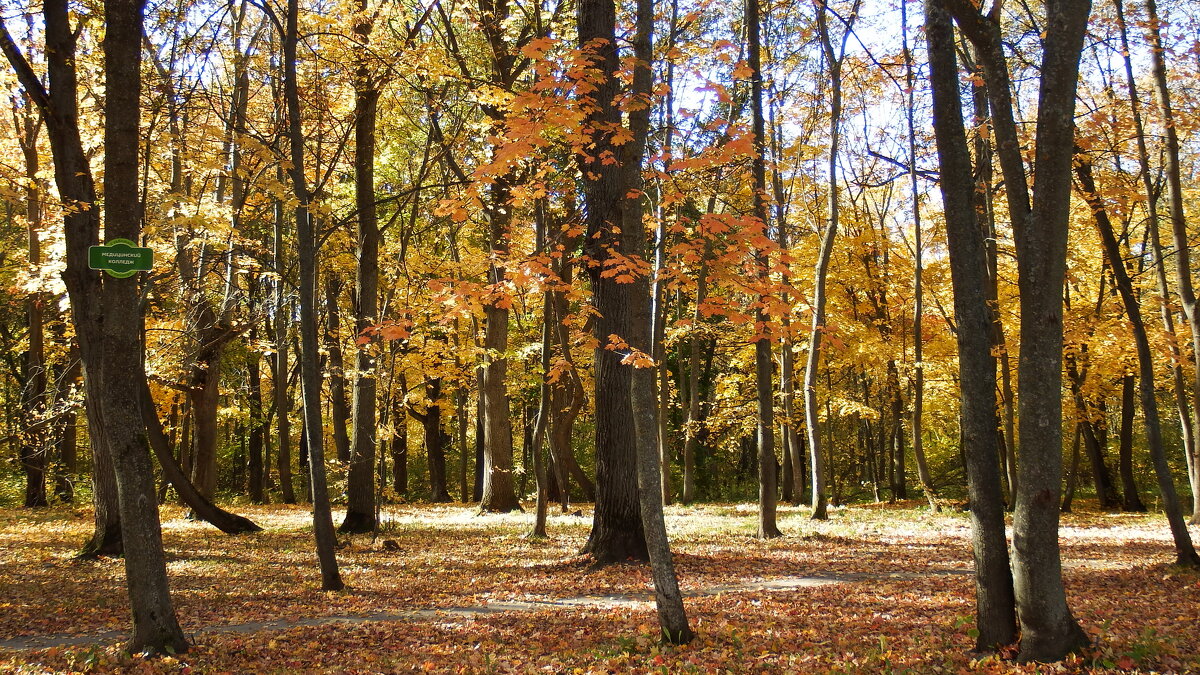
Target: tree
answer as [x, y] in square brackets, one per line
[360, 486]
[155, 628]
[1185, 553]
[994, 599]
[763, 362]
[1039, 218]
[73, 177]
[617, 532]
[34, 450]
[310, 374]
[619, 201]
[1179, 232]
[499, 492]
[833, 60]
[918, 380]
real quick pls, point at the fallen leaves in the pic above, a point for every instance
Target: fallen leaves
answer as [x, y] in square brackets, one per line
[908, 607]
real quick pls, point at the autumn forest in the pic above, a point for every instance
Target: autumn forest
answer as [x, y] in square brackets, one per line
[577, 299]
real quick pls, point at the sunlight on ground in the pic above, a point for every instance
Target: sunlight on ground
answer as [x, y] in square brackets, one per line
[911, 607]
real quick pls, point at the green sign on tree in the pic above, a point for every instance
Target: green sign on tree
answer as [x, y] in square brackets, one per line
[120, 258]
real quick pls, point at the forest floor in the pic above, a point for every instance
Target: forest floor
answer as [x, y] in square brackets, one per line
[876, 589]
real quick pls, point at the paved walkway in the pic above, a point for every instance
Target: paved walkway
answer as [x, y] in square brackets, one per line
[598, 601]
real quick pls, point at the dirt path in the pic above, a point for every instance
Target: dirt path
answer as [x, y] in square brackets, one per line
[472, 611]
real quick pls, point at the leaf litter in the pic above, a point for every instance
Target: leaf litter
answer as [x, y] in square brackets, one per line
[907, 605]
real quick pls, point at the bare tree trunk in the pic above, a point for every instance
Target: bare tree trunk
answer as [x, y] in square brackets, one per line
[1073, 473]
[691, 430]
[400, 447]
[1049, 632]
[995, 615]
[763, 360]
[310, 373]
[283, 405]
[1132, 502]
[1184, 550]
[1179, 231]
[201, 506]
[335, 371]
[984, 208]
[155, 628]
[918, 381]
[34, 442]
[543, 410]
[361, 505]
[834, 61]
[672, 619]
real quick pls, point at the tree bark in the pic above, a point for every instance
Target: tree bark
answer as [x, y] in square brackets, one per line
[1179, 233]
[994, 596]
[155, 628]
[617, 531]
[811, 407]
[310, 373]
[764, 364]
[361, 503]
[1184, 551]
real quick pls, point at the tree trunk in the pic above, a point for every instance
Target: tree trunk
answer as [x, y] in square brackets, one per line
[435, 441]
[310, 373]
[816, 447]
[994, 595]
[600, 16]
[34, 443]
[918, 380]
[258, 415]
[155, 628]
[1179, 232]
[1105, 491]
[400, 449]
[691, 427]
[764, 363]
[204, 395]
[1184, 550]
[201, 506]
[283, 403]
[541, 508]
[1129, 489]
[361, 503]
[335, 372]
[1073, 473]
[1048, 630]
[617, 531]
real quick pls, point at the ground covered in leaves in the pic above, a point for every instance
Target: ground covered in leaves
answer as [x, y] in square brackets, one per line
[904, 604]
